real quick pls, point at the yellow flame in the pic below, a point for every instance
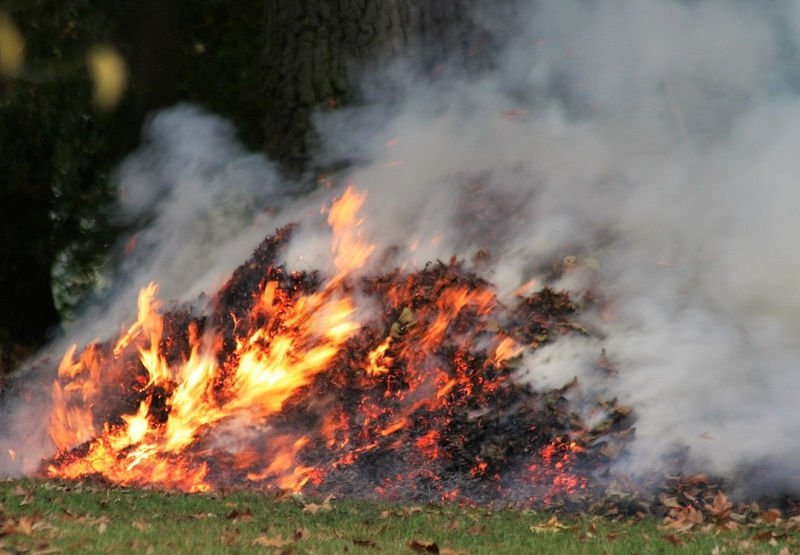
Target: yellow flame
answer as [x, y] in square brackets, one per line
[350, 252]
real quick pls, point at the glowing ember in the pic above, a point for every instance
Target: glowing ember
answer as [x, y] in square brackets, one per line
[281, 387]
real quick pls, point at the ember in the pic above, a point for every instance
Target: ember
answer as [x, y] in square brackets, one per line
[279, 386]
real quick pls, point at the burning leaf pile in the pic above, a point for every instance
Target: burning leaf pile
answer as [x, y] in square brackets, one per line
[278, 385]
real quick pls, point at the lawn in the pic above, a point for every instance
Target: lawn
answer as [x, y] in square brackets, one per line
[48, 517]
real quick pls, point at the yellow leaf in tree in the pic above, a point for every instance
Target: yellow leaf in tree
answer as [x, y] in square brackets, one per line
[12, 47]
[109, 76]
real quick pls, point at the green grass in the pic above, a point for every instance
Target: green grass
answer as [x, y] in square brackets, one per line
[47, 517]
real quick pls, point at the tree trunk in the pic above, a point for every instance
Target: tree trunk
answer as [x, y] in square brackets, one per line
[317, 51]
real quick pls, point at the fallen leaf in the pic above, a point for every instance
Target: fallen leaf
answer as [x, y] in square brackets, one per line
[552, 525]
[27, 495]
[772, 516]
[265, 541]
[766, 536]
[423, 546]
[229, 536]
[141, 525]
[46, 550]
[365, 543]
[683, 519]
[22, 525]
[720, 508]
[244, 516]
[673, 539]
[313, 508]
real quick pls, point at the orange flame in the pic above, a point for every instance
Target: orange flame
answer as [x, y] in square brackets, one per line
[225, 385]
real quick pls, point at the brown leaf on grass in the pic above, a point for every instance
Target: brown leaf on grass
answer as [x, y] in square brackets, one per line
[423, 546]
[265, 541]
[767, 536]
[552, 525]
[141, 525]
[683, 519]
[301, 533]
[720, 508]
[476, 529]
[23, 525]
[46, 550]
[403, 513]
[673, 539]
[772, 516]
[243, 516]
[27, 495]
[229, 536]
[365, 543]
[314, 508]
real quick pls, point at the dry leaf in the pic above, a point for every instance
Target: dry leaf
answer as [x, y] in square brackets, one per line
[46, 550]
[265, 541]
[683, 519]
[23, 525]
[423, 546]
[365, 543]
[772, 516]
[229, 536]
[141, 525]
[673, 539]
[244, 516]
[720, 508]
[552, 525]
[313, 508]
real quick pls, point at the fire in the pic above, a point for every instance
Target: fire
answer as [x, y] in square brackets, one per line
[282, 387]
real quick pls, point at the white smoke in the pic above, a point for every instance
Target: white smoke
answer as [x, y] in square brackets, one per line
[656, 137]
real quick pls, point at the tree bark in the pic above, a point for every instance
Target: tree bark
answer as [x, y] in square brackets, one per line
[317, 51]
